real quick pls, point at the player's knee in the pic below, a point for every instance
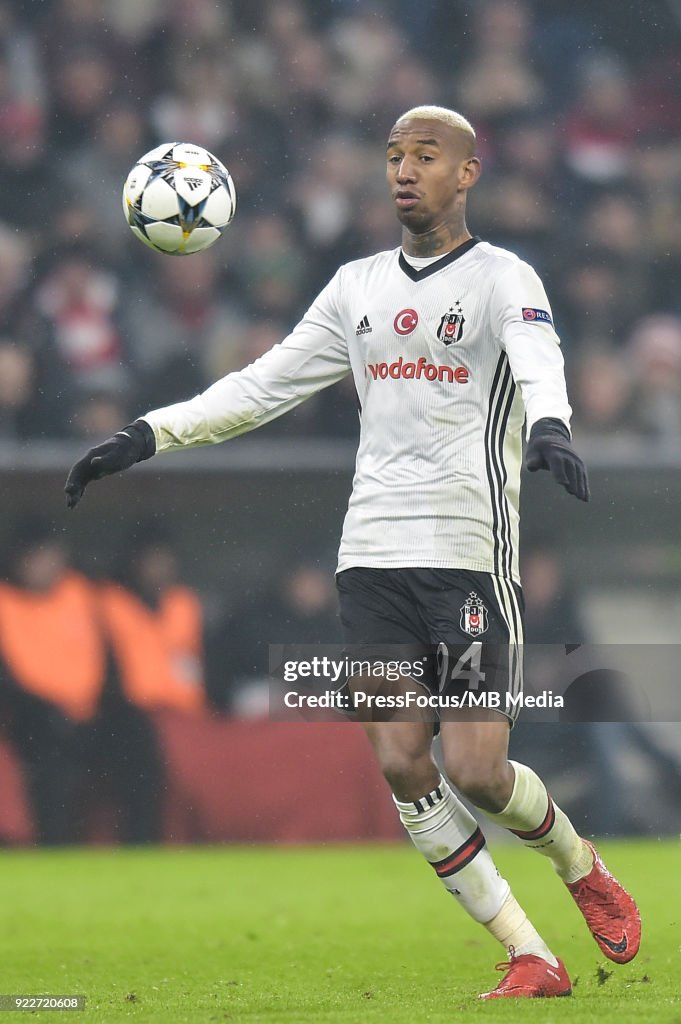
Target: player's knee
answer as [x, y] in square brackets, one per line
[485, 784]
[409, 777]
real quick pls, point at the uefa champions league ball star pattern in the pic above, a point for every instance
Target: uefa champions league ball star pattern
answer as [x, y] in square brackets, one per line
[178, 198]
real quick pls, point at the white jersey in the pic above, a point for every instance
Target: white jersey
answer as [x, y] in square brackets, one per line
[448, 361]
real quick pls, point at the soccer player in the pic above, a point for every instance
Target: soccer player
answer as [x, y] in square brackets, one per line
[452, 347]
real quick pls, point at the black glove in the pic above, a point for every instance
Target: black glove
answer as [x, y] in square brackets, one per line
[132, 444]
[549, 447]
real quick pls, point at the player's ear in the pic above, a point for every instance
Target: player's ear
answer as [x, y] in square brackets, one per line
[469, 172]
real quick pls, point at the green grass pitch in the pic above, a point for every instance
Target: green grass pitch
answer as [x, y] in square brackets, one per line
[337, 935]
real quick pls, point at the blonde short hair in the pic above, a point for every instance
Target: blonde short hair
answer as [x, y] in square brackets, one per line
[433, 113]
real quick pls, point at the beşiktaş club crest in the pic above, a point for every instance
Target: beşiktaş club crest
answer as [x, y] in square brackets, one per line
[474, 616]
[451, 325]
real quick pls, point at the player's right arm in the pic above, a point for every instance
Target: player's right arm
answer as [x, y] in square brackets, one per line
[312, 357]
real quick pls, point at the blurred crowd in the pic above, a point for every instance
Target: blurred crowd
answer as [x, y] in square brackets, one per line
[579, 134]
[83, 664]
[87, 660]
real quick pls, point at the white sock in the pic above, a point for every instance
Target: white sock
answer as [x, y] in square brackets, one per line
[515, 931]
[532, 816]
[449, 837]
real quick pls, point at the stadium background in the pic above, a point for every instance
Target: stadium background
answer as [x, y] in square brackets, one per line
[578, 109]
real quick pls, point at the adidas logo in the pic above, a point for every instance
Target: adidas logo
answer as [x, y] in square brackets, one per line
[363, 327]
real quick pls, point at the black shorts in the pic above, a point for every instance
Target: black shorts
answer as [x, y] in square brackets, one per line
[467, 627]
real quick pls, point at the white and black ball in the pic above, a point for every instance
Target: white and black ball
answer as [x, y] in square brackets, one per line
[179, 198]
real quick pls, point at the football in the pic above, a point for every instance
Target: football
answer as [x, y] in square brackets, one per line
[178, 198]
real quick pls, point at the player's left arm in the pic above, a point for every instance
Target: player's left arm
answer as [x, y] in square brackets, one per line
[523, 322]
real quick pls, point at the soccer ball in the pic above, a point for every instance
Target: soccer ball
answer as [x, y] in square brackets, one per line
[178, 198]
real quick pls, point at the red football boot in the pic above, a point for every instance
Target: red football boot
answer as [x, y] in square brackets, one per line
[609, 911]
[530, 977]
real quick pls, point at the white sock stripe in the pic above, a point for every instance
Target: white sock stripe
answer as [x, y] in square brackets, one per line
[424, 803]
[429, 800]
